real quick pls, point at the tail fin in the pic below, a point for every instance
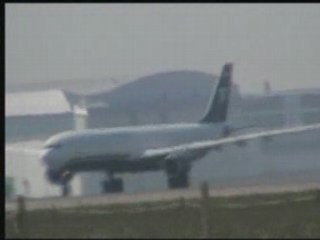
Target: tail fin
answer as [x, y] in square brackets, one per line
[218, 104]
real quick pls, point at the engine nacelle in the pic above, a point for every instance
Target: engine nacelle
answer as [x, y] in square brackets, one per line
[175, 167]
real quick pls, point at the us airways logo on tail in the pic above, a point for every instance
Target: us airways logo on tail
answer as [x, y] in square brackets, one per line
[223, 93]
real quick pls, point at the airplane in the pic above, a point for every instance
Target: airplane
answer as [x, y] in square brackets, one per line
[172, 148]
[119, 150]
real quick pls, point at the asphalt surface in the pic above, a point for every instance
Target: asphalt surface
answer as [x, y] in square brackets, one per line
[290, 183]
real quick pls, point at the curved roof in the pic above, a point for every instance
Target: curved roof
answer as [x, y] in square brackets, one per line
[147, 91]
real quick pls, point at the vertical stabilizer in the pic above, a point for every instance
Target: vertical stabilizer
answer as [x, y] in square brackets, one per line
[218, 105]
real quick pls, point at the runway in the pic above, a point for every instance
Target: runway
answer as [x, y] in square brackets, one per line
[225, 190]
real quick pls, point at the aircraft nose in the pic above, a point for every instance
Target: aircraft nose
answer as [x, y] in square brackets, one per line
[46, 156]
[53, 159]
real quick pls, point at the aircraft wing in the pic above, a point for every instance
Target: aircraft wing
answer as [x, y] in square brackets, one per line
[199, 149]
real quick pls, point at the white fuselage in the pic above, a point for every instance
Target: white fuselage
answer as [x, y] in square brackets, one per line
[124, 149]
[125, 143]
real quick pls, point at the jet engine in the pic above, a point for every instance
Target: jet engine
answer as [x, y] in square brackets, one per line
[177, 164]
[177, 168]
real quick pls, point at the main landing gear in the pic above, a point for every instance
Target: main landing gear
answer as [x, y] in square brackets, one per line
[112, 185]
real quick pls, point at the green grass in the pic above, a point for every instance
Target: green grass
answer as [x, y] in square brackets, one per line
[296, 215]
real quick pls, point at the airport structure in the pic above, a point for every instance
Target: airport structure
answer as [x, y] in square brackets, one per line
[36, 115]
[170, 97]
[30, 118]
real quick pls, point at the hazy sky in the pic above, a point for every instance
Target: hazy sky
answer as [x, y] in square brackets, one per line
[275, 42]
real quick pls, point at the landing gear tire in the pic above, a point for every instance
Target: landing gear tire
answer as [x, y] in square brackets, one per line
[112, 186]
[178, 181]
[66, 190]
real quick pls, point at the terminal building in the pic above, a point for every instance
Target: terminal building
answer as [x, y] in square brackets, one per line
[169, 97]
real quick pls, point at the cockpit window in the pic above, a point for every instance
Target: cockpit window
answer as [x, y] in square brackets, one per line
[53, 146]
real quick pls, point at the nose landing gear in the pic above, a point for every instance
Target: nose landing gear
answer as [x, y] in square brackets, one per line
[65, 189]
[61, 178]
